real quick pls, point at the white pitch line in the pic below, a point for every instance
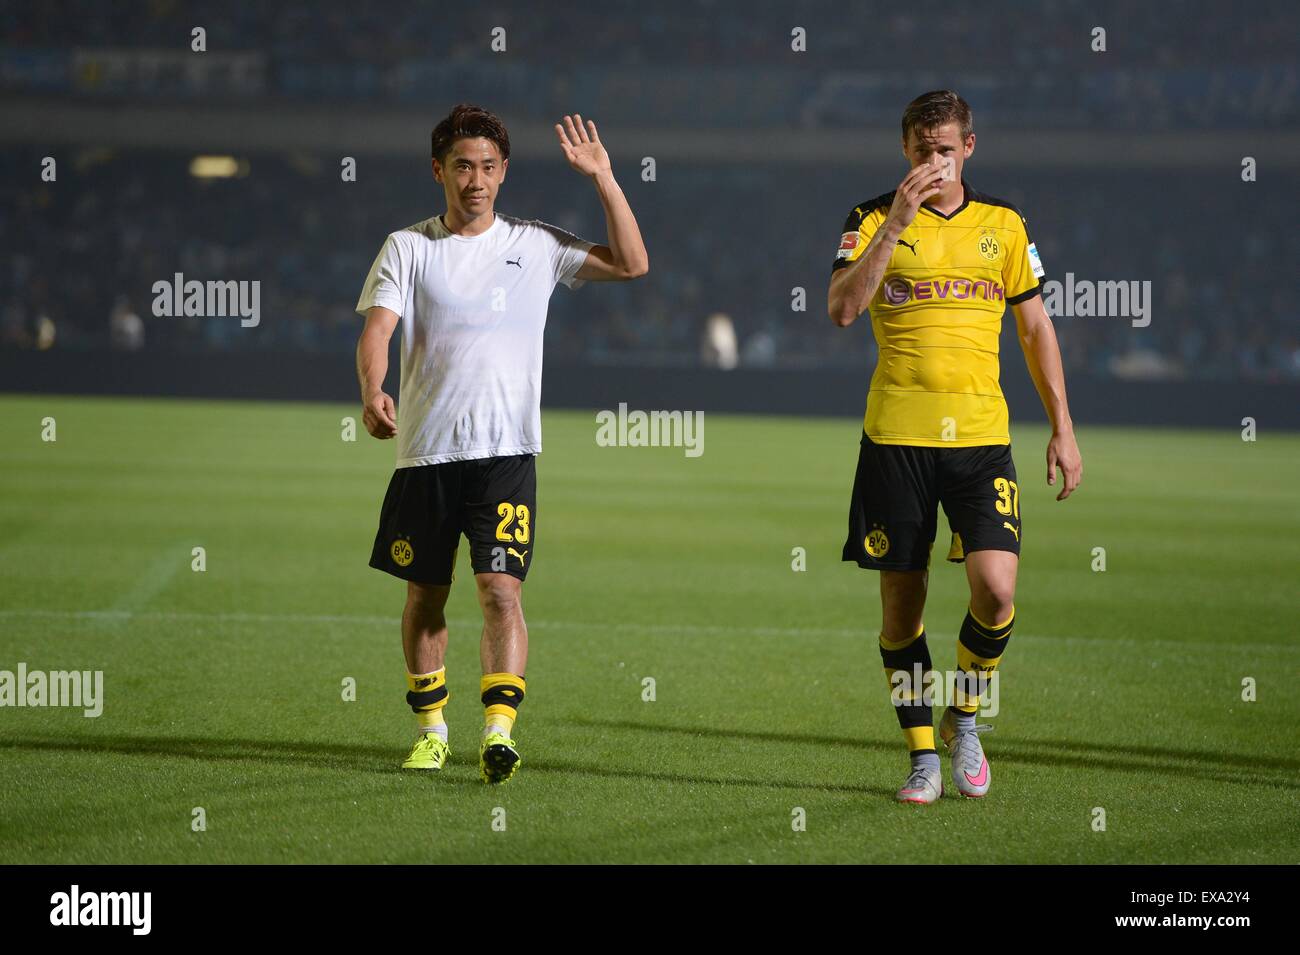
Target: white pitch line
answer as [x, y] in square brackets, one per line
[702, 629]
[195, 615]
[155, 579]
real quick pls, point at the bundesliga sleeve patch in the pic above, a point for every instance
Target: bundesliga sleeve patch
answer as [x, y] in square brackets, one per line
[1035, 262]
[848, 242]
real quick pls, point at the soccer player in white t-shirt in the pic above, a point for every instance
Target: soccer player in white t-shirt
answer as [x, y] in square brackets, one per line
[470, 288]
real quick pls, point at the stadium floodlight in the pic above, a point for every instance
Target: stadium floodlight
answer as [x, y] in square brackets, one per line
[218, 167]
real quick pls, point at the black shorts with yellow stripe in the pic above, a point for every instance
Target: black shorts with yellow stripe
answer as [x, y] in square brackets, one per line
[898, 488]
[492, 501]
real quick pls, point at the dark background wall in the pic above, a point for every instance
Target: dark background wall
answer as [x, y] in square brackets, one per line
[1127, 163]
[566, 384]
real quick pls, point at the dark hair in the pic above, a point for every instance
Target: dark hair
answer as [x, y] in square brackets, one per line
[469, 121]
[936, 108]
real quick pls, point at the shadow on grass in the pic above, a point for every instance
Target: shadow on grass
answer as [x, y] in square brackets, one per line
[1209, 765]
[382, 760]
[1179, 764]
[568, 768]
[352, 757]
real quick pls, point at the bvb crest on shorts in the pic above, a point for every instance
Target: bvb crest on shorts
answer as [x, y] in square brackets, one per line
[988, 245]
[876, 543]
[402, 552]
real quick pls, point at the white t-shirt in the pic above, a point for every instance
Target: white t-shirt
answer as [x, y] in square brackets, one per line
[472, 309]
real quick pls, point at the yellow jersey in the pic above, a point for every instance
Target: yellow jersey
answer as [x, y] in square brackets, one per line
[937, 316]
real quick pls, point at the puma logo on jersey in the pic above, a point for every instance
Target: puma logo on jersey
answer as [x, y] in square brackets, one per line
[517, 554]
[515, 262]
[1013, 530]
[910, 245]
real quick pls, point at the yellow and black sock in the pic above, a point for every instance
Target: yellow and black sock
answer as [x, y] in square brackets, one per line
[906, 664]
[427, 694]
[979, 650]
[502, 694]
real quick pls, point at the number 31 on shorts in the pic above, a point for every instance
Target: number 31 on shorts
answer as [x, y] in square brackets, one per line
[1008, 502]
[520, 516]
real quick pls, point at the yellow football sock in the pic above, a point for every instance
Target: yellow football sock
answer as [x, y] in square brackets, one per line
[501, 693]
[427, 694]
[979, 651]
[911, 705]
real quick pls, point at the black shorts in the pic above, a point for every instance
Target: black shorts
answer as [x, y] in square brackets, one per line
[892, 518]
[492, 501]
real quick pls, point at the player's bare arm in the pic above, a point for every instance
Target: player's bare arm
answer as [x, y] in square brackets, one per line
[379, 414]
[1043, 357]
[625, 257]
[852, 288]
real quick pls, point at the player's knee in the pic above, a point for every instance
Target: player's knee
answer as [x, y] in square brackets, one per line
[992, 603]
[904, 583]
[426, 600]
[902, 598]
[498, 593]
[898, 629]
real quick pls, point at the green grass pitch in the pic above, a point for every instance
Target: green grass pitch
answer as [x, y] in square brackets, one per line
[223, 689]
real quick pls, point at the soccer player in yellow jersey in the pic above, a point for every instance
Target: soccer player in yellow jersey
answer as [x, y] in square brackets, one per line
[936, 263]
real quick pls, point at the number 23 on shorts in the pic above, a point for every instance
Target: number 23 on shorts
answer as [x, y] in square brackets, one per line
[520, 516]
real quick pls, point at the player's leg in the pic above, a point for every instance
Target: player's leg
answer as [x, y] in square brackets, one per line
[981, 642]
[986, 630]
[981, 498]
[424, 644]
[503, 651]
[424, 626]
[905, 654]
[416, 541]
[991, 575]
[500, 522]
[891, 529]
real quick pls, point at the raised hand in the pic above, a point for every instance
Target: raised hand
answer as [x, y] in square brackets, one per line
[921, 183]
[582, 147]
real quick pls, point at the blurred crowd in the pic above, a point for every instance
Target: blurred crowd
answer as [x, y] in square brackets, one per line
[960, 35]
[1194, 63]
[730, 248]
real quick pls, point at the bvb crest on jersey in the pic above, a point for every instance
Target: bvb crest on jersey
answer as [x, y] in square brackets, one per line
[988, 245]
